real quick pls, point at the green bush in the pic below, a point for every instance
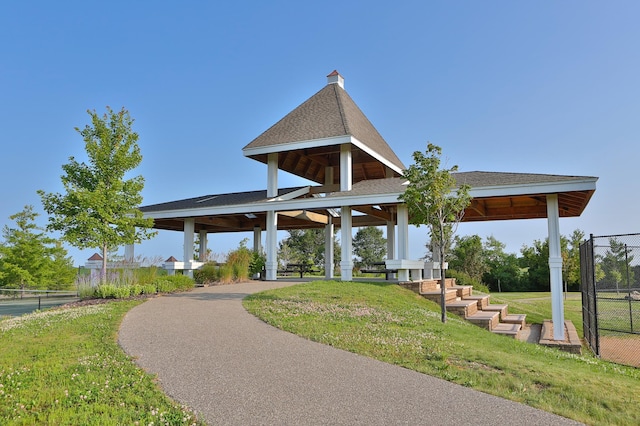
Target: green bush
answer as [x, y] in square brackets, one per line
[135, 290]
[239, 261]
[172, 283]
[149, 289]
[106, 291]
[207, 274]
[258, 261]
[226, 274]
[122, 292]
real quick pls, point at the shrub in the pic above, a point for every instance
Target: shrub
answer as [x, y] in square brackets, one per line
[122, 292]
[258, 261]
[172, 283]
[239, 261]
[226, 274]
[106, 291]
[149, 289]
[135, 290]
[208, 273]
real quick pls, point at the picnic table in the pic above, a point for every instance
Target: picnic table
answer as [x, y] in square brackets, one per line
[300, 268]
[380, 268]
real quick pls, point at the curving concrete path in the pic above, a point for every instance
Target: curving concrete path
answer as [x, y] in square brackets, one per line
[233, 369]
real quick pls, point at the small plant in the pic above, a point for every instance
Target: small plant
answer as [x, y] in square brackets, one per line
[258, 262]
[207, 274]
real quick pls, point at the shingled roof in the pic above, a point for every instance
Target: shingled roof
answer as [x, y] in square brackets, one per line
[309, 138]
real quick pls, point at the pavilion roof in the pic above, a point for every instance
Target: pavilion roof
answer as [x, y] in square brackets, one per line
[308, 139]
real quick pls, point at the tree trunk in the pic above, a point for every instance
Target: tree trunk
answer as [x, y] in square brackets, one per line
[103, 271]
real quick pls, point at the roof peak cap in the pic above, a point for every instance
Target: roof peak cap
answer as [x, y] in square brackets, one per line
[335, 78]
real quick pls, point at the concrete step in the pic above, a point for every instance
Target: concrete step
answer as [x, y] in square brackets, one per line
[511, 330]
[485, 319]
[515, 319]
[450, 296]
[502, 309]
[463, 290]
[464, 308]
[483, 300]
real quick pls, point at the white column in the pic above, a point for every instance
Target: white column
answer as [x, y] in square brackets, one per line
[555, 267]
[403, 231]
[129, 255]
[189, 230]
[272, 246]
[346, 174]
[202, 249]
[391, 237]
[272, 175]
[328, 249]
[346, 243]
[257, 239]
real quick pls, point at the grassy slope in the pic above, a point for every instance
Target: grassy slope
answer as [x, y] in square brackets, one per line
[388, 323]
[65, 367]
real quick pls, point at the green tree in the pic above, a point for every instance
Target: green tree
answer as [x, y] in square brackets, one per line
[99, 209]
[31, 259]
[369, 246]
[306, 246]
[616, 265]
[435, 199]
[468, 256]
[504, 272]
[571, 260]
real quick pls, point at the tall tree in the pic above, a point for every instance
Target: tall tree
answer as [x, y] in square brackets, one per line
[307, 246]
[616, 265]
[369, 245]
[31, 259]
[435, 199]
[100, 206]
[468, 256]
[503, 272]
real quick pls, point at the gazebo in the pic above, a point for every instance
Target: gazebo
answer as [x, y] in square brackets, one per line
[355, 180]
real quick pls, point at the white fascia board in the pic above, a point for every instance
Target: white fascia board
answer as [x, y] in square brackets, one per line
[291, 146]
[295, 204]
[377, 156]
[581, 184]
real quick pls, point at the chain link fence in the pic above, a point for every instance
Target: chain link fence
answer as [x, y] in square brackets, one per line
[610, 269]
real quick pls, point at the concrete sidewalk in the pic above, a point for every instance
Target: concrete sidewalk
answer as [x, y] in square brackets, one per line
[233, 369]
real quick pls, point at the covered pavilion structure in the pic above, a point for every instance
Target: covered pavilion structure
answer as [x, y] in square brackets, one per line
[355, 179]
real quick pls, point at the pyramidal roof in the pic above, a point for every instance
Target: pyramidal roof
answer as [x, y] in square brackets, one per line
[328, 118]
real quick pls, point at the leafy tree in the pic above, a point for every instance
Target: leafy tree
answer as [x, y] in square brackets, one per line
[99, 208]
[369, 245]
[571, 260]
[616, 265]
[306, 246]
[504, 272]
[468, 256]
[433, 200]
[30, 259]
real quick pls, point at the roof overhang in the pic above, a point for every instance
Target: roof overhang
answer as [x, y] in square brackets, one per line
[309, 158]
[304, 208]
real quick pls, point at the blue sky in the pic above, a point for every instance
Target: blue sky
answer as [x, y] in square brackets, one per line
[536, 87]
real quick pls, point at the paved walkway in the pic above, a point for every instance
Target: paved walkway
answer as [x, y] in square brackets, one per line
[213, 356]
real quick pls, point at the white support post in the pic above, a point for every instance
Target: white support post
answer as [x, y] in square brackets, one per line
[272, 246]
[202, 249]
[189, 231]
[555, 267]
[129, 255]
[328, 249]
[346, 242]
[272, 175]
[346, 168]
[257, 239]
[391, 238]
[403, 231]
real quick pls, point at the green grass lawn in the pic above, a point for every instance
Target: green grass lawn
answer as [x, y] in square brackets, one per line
[64, 367]
[386, 322]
